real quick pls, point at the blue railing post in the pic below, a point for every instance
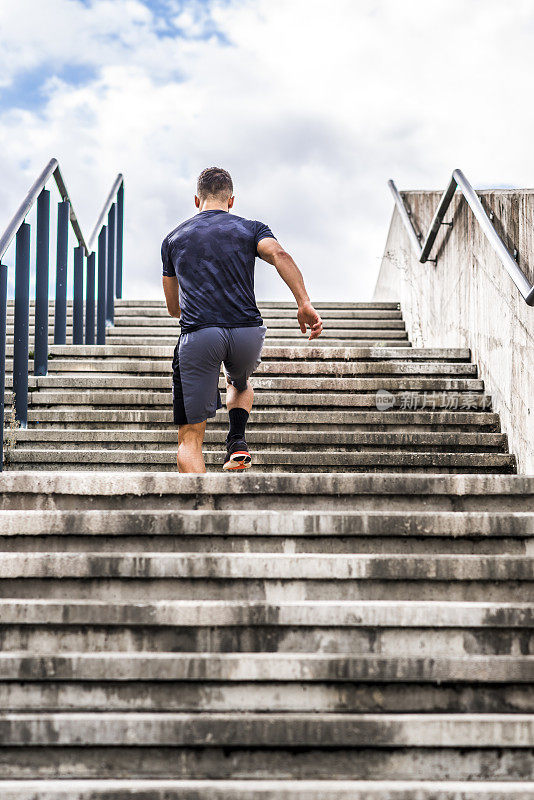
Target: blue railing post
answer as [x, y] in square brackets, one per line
[42, 259]
[90, 300]
[112, 244]
[60, 320]
[3, 315]
[77, 297]
[22, 307]
[120, 240]
[101, 300]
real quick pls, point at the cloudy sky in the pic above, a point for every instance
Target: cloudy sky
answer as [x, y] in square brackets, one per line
[311, 104]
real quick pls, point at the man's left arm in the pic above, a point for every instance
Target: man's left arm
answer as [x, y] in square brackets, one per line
[170, 282]
[172, 296]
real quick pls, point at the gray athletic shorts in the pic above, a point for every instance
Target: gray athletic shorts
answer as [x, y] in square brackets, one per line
[196, 367]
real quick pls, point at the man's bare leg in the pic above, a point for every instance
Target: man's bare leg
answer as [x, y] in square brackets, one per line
[235, 399]
[190, 440]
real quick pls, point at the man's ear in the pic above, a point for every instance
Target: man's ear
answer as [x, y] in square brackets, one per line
[197, 201]
[230, 202]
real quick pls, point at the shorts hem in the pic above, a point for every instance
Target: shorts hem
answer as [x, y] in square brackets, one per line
[200, 419]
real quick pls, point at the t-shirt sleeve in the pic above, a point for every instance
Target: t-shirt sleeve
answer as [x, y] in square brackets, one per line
[262, 231]
[168, 266]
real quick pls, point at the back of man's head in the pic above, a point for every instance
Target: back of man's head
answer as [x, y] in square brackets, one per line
[215, 182]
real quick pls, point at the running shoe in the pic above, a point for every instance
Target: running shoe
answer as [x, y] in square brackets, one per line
[237, 456]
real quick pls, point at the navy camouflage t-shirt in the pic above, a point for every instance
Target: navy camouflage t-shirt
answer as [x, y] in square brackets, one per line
[213, 255]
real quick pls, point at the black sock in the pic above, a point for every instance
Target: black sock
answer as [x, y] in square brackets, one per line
[238, 421]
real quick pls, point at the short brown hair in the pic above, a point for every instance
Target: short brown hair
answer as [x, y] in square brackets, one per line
[214, 181]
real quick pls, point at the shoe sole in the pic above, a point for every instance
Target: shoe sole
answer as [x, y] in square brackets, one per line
[239, 460]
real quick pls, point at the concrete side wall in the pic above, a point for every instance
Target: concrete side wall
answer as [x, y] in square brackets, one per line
[467, 299]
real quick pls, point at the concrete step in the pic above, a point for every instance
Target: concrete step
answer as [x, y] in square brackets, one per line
[264, 790]
[295, 341]
[270, 311]
[156, 324]
[304, 420]
[264, 730]
[268, 532]
[319, 305]
[278, 439]
[201, 695]
[402, 400]
[282, 304]
[251, 577]
[350, 329]
[123, 303]
[384, 628]
[216, 543]
[289, 668]
[279, 697]
[268, 314]
[478, 525]
[312, 368]
[308, 352]
[342, 329]
[280, 566]
[303, 613]
[339, 492]
[197, 766]
[267, 460]
[279, 384]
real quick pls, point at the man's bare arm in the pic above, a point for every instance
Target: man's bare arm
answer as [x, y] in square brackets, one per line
[273, 252]
[172, 297]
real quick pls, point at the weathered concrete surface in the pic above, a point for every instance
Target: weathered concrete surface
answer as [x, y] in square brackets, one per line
[336, 491]
[467, 299]
[211, 613]
[290, 730]
[460, 639]
[140, 483]
[327, 492]
[266, 790]
[249, 765]
[272, 667]
[279, 566]
[263, 696]
[270, 461]
[332, 524]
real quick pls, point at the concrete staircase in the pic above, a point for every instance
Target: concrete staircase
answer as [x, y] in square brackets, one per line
[363, 629]
[316, 407]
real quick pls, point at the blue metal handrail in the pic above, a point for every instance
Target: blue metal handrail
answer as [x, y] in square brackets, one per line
[52, 168]
[110, 260]
[422, 251]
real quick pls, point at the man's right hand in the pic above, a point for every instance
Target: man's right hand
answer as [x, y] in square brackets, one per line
[307, 316]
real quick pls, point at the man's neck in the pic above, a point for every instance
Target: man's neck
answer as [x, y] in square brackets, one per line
[213, 205]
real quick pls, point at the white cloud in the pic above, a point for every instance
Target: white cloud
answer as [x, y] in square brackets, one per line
[312, 106]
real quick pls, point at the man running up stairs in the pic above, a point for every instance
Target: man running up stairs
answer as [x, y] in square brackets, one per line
[208, 280]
